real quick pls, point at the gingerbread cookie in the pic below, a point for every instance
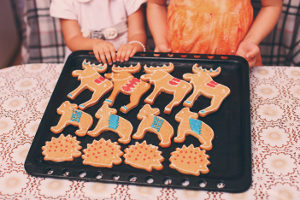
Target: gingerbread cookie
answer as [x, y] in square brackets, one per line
[163, 81]
[189, 160]
[63, 148]
[91, 79]
[143, 156]
[102, 153]
[190, 125]
[109, 121]
[70, 115]
[204, 85]
[155, 124]
[127, 84]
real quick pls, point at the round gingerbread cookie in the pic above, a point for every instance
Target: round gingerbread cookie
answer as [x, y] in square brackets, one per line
[189, 160]
[102, 153]
[63, 148]
[143, 156]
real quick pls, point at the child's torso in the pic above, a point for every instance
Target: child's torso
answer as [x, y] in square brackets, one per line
[208, 26]
[99, 14]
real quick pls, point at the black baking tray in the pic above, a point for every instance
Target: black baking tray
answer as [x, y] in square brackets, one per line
[230, 157]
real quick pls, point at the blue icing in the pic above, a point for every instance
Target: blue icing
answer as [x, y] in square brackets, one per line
[188, 102]
[107, 100]
[76, 115]
[195, 125]
[70, 95]
[157, 123]
[125, 107]
[113, 122]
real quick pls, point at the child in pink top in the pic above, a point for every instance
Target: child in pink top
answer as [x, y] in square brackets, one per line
[103, 26]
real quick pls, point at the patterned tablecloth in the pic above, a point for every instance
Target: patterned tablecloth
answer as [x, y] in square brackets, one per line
[275, 126]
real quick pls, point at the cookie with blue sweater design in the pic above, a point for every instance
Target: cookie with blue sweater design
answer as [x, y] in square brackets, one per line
[151, 122]
[189, 124]
[110, 121]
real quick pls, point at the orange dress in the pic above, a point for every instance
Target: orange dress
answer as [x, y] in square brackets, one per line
[208, 26]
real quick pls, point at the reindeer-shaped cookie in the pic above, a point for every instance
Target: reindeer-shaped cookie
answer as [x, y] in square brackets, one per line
[163, 81]
[127, 84]
[155, 124]
[92, 80]
[190, 125]
[109, 121]
[70, 115]
[204, 85]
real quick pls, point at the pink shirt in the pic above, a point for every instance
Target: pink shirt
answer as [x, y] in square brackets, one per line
[96, 14]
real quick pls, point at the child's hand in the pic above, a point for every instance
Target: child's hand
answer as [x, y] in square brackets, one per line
[250, 52]
[125, 52]
[104, 51]
[162, 48]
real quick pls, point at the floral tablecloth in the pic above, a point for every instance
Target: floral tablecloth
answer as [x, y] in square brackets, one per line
[275, 126]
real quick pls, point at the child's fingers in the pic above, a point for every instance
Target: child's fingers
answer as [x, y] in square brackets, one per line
[102, 56]
[97, 55]
[251, 53]
[129, 53]
[108, 56]
[119, 54]
[133, 52]
[112, 53]
[122, 56]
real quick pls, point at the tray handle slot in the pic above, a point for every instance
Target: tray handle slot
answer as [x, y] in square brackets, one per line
[115, 177]
[82, 174]
[221, 185]
[99, 175]
[167, 181]
[202, 183]
[49, 171]
[185, 182]
[66, 172]
[149, 180]
[132, 178]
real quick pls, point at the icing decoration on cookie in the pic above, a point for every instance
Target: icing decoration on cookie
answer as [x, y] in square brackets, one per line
[109, 121]
[130, 85]
[174, 81]
[201, 79]
[91, 79]
[70, 115]
[63, 148]
[190, 125]
[127, 84]
[189, 160]
[143, 156]
[155, 124]
[102, 153]
[163, 81]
